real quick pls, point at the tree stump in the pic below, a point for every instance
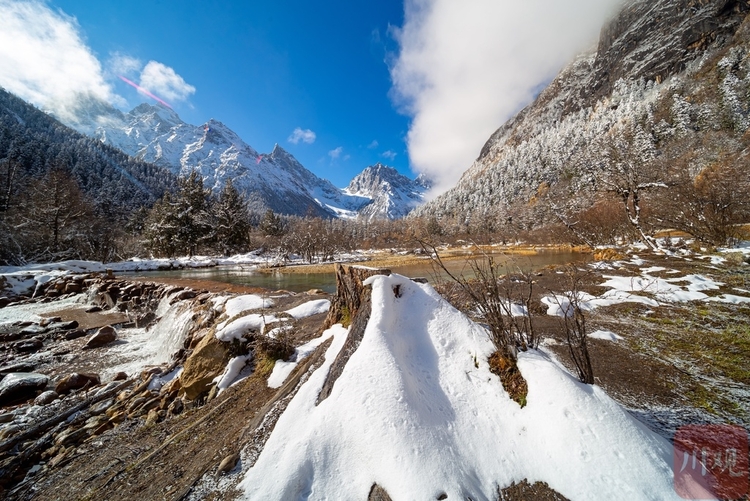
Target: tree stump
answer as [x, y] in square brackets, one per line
[351, 307]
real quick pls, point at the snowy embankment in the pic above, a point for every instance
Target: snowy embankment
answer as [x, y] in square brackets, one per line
[417, 411]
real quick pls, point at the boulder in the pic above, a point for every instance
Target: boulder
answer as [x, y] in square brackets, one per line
[46, 397]
[206, 363]
[103, 336]
[21, 386]
[73, 287]
[4, 301]
[75, 334]
[93, 309]
[120, 376]
[28, 346]
[76, 381]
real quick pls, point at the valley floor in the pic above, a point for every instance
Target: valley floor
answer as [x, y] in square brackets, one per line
[672, 346]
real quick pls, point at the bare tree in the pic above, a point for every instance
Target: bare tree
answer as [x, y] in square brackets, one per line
[494, 295]
[574, 322]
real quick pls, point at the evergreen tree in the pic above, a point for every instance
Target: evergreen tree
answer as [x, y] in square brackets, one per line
[231, 220]
[271, 225]
[193, 216]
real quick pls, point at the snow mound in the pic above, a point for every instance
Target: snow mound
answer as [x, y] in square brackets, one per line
[309, 308]
[241, 326]
[237, 305]
[605, 335]
[413, 413]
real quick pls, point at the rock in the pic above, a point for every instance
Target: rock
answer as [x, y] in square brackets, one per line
[76, 381]
[33, 330]
[186, 294]
[19, 367]
[28, 346]
[7, 417]
[103, 336]
[6, 337]
[176, 407]
[75, 334]
[21, 386]
[65, 326]
[45, 322]
[377, 493]
[315, 292]
[93, 309]
[4, 301]
[9, 431]
[152, 418]
[120, 376]
[46, 397]
[71, 436]
[228, 463]
[206, 363]
[94, 422]
[73, 288]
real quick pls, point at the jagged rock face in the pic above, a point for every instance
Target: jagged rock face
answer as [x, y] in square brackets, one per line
[654, 40]
[393, 195]
[275, 180]
[670, 71]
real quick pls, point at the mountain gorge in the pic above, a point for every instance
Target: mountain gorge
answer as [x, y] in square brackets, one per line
[273, 180]
[660, 100]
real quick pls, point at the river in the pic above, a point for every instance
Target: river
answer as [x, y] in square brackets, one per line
[299, 281]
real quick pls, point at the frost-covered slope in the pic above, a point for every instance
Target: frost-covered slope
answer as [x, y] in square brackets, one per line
[393, 195]
[413, 413]
[667, 72]
[276, 180]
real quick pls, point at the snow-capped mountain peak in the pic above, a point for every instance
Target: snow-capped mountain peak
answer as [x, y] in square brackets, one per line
[156, 134]
[393, 195]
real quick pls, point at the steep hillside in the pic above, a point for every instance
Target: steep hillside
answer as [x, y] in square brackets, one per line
[664, 93]
[32, 143]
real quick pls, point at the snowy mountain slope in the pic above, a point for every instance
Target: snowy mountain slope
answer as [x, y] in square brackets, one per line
[393, 195]
[417, 411]
[659, 71]
[276, 180]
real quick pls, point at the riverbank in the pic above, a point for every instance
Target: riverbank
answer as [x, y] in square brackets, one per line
[401, 258]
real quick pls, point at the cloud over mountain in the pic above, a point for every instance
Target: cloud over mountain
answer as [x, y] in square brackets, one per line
[466, 67]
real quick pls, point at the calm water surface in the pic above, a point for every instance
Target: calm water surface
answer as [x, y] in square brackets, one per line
[300, 282]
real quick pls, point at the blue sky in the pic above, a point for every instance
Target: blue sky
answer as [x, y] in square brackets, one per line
[416, 84]
[267, 68]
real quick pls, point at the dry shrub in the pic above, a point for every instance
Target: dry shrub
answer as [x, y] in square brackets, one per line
[510, 376]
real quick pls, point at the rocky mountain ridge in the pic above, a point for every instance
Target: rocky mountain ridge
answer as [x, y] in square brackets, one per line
[393, 195]
[273, 180]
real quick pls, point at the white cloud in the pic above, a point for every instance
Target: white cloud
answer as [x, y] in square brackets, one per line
[336, 153]
[374, 144]
[305, 135]
[123, 64]
[164, 82]
[390, 155]
[464, 68]
[44, 60]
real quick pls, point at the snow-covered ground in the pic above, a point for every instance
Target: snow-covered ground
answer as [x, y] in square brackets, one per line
[412, 413]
